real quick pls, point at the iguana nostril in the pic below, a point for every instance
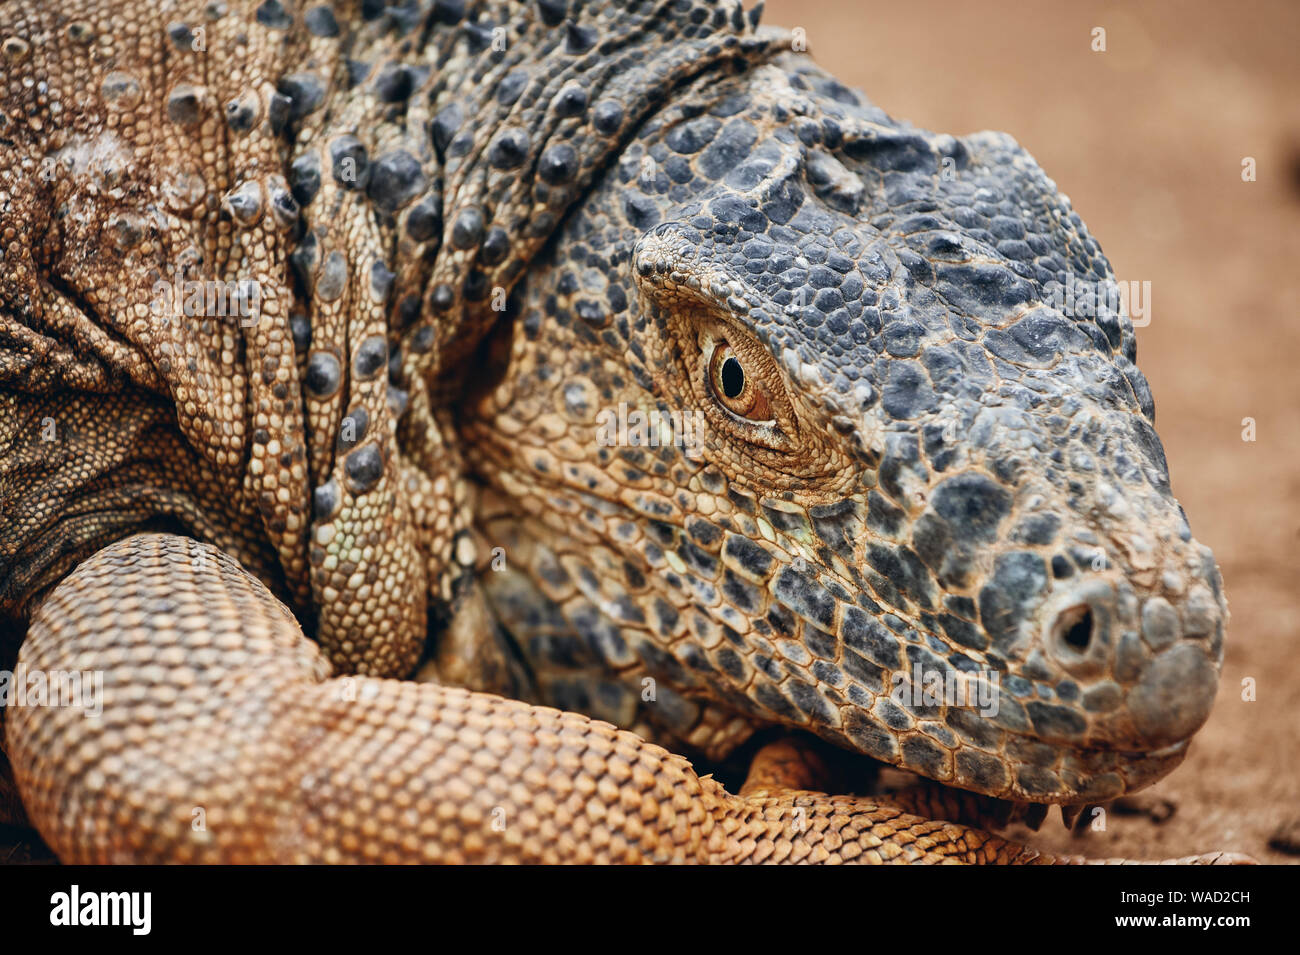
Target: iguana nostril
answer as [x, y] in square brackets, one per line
[1079, 628]
[1076, 628]
[1073, 628]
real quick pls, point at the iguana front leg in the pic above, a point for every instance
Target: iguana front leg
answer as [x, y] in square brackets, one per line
[223, 738]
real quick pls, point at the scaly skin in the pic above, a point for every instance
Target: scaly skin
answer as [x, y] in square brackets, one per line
[240, 750]
[905, 455]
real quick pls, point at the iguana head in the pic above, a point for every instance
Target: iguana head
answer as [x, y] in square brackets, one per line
[901, 486]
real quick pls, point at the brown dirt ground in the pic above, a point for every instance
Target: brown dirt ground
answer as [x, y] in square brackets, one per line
[1147, 140]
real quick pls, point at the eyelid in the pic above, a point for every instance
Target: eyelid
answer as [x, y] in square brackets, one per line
[778, 430]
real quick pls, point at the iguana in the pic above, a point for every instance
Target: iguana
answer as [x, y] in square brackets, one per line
[597, 363]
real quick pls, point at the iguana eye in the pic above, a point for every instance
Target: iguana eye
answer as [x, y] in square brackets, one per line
[735, 388]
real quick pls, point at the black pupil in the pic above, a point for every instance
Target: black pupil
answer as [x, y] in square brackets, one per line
[733, 378]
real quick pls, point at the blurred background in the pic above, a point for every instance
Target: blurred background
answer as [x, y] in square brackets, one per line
[1147, 139]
